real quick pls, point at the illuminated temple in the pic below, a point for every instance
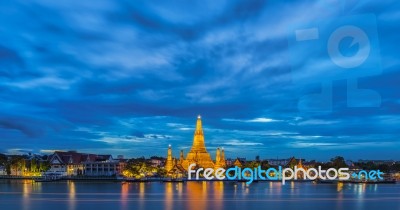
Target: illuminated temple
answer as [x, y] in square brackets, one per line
[198, 154]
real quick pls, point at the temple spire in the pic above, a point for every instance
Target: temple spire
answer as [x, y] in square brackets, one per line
[169, 163]
[169, 154]
[198, 153]
[223, 161]
[198, 139]
[199, 127]
[181, 158]
[217, 164]
[218, 156]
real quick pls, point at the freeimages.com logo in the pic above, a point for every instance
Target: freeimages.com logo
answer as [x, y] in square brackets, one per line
[283, 174]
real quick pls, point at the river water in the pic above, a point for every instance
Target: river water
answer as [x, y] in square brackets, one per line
[75, 195]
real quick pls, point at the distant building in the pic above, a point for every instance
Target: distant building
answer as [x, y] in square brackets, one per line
[301, 166]
[3, 171]
[156, 162]
[379, 162]
[239, 162]
[284, 162]
[349, 163]
[278, 162]
[72, 163]
[229, 161]
[102, 165]
[66, 163]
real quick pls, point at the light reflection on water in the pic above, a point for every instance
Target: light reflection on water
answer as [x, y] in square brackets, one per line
[72, 196]
[168, 195]
[27, 195]
[124, 196]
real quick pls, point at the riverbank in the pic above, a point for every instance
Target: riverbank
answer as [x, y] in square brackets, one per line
[74, 178]
[122, 179]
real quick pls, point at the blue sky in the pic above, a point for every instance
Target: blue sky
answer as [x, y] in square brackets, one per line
[125, 77]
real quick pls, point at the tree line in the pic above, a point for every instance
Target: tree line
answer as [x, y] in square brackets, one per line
[23, 164]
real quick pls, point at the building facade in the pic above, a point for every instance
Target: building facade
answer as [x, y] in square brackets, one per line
[72, 163]
[102, 165]
[66, 163]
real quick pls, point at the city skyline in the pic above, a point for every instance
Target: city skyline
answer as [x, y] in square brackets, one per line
[130, 79]
[210, 149]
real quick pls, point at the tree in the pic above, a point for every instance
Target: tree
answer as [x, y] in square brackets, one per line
[292, 163]
[141, 167]
[3, 159]
[44, 166]
[252, 164]
[161, 172]
[157, 158]
[265, 164]
[338, 162]
[34, 166]
[17, 164]
[133, 168]
[45, 157]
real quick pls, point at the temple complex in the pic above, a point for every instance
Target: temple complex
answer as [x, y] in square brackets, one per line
[198, 154]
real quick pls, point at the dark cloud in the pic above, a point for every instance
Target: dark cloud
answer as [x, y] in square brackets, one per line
[130, 78]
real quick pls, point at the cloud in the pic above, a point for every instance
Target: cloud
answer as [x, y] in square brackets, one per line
[313, 144]
[19, 151]
[255, 120]
[235, 142]
[47, 151]
[181, 127]
[51, 82]
[31, 126]
[305, 137]
[118, 140]
[317, 122]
